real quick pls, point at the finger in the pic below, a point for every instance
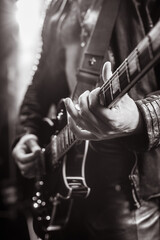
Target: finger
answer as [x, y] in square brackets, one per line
[80, 133]
[22, 156]
[74, 112]
[106, 71]
[93, 100]
[29, 142]
[102, 114]
[90, 122]
[93, 123]
[33, 146]
[26, 166]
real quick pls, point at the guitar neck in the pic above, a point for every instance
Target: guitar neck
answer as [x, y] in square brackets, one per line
[141, 59]
[61, 143]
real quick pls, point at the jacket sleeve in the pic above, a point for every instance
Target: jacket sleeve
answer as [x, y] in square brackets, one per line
[147, 135]
[150, 110]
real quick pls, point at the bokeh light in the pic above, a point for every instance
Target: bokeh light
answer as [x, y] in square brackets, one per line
[28, 14]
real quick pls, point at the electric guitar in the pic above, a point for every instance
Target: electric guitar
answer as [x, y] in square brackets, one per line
[64, 161]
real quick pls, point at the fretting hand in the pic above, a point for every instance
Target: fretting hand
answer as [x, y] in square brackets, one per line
[90, 120]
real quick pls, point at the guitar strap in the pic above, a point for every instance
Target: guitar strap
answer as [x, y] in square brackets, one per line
[96, 52]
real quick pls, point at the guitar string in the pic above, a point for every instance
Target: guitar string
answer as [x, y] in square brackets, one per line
[148, 41]
[122, 68]
[119, 71]
[71, 139]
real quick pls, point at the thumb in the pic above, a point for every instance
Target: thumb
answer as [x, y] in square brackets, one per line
[106, 71]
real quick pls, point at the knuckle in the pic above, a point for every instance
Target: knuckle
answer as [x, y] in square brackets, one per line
[86, 93]
[82, 114]
[91, 106]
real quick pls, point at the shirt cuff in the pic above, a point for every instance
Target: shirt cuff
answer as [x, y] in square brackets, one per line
[150, 109]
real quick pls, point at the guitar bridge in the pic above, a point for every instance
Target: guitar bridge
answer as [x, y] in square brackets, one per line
[78, 187]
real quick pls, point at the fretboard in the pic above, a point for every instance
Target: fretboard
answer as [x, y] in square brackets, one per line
[61, 143]
[141, 59]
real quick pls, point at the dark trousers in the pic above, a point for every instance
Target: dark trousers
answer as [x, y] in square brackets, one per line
[112, 218]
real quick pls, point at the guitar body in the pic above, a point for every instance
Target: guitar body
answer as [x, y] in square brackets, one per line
[65, 161]
[64, 181]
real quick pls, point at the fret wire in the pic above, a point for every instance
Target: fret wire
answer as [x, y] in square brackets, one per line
[72, 136]
[66, 135]
[133, 54]
[107, 85]
[140, 48]
[110, 87]
[137, 60]
[59, 147]
[150, 47]
[118, 76]
[127, 70]
[58, 144]
[131, 57]
[70, 133]
[115, 84]
[55, 142]
[121, 70]
[65, 142]
[68, 129]
[103, 92]
[62, 140]
[65, 139]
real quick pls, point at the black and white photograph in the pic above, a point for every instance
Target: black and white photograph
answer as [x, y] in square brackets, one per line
[80, 119]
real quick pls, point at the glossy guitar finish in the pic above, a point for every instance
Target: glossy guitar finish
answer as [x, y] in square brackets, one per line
[65, 179]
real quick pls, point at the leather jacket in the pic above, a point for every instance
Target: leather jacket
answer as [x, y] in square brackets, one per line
[50, 84]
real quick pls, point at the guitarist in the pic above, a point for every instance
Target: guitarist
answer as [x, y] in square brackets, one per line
[123, 162]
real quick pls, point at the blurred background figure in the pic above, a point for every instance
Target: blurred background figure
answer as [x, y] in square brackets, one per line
[8, 56]
[20, 47]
